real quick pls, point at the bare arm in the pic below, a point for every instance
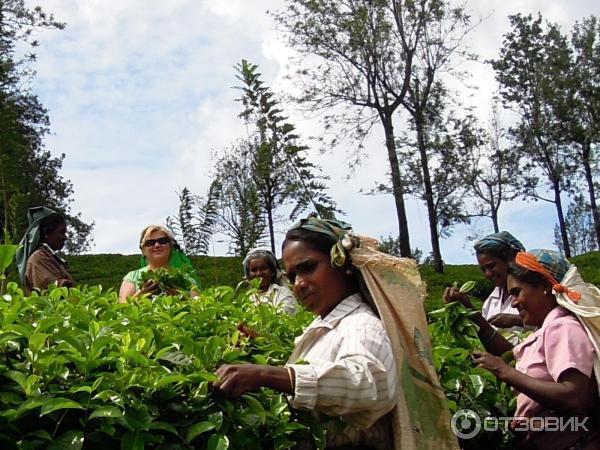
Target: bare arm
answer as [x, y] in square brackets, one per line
[491, 339]
[572, 393]
[127, 290]
[235, 380]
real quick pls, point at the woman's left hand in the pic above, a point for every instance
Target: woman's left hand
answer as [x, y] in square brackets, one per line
[237, 379]
[490, 362]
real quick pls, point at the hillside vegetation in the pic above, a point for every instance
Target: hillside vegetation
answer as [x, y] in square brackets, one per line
[108, 270]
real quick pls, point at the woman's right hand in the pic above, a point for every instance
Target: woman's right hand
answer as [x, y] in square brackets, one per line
[452, 294]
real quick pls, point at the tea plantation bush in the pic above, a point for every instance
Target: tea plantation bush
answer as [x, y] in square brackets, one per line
[108, 270]
[79, 370]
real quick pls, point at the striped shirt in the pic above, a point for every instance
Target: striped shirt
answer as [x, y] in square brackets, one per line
[345, 367]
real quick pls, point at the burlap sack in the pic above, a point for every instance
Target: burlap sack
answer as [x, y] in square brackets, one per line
[394, 288]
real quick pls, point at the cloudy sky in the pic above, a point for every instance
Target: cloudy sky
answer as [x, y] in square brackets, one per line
[140, 96]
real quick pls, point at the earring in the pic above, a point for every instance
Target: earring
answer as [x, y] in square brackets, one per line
[349, 271]
[545, 292]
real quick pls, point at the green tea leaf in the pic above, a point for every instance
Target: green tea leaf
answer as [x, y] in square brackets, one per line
[106, 411]
[71, 440]
[467, 287]
[256, 407]
[197, 429]
[54, 404]
[218, 442]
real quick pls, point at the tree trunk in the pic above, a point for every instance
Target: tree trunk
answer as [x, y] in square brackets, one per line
[591, 190]
[561, 219]
[431, 212]
[495, 220]
[271, 231]
[390, 143]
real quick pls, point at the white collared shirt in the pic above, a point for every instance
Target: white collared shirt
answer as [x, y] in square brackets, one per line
[494, 304]
[346, 368]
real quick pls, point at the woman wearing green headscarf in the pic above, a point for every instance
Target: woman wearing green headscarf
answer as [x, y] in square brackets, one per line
[159, 250]
[494, 252]
[348, 370]
[37, 259]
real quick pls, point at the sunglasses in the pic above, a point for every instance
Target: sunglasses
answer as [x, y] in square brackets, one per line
[161, 240]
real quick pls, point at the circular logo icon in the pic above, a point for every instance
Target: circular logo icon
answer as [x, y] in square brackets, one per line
[466, 423]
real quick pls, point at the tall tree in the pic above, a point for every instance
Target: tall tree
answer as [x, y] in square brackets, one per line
[442, 41]
[532, 69]
[580, 109]
[364, 59]
[196, 220]
[29, 174]
[580, 228]
[495, 167]
[281, 169]
[241, 217]
[436, 173]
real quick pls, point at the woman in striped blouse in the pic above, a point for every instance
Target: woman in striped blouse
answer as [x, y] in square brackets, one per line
[342, 366]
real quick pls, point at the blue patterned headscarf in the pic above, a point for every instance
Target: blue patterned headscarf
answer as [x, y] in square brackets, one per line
[554, 262]
[502, 241]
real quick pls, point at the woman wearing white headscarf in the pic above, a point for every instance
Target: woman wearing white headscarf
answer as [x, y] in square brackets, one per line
[261, 263]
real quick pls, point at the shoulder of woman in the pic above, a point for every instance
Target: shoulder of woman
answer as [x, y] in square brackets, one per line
[40, 254]
[566, 330]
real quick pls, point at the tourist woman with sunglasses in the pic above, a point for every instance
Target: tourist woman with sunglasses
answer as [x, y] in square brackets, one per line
[159, 249]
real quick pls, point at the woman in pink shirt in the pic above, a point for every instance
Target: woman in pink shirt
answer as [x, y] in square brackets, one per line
[554, 371]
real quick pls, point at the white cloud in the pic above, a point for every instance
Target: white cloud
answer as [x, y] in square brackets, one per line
[139, 94]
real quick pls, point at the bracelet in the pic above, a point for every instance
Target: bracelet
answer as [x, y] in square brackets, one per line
[491, 338]
[291, 377]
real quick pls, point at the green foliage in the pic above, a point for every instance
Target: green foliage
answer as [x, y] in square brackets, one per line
[580, 228]
[169, 279]
[281, 169]
[108, 270]
[240, 215]
[81, 370]
[589, 267]
[454, 337]
[437, 282]
[195, 223]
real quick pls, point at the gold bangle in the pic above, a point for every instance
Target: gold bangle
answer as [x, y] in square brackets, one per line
[291, 377]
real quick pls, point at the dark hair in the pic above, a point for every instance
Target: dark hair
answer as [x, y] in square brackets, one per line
[51, 223]
[530, 277]
[504, 253]
[317, 241]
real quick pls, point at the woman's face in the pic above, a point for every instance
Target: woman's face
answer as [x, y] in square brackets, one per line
[316, 283]
[531, 301]
[493, 268]
[57, 237]
[157, 248]
[259, 267]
